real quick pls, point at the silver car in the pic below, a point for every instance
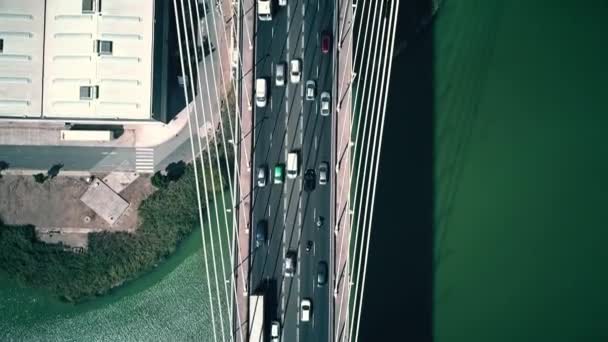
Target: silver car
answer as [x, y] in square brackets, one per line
[325, 103]
[261, 176]
[289, 266]
[279, 74]
[323, 172]
[311, 90]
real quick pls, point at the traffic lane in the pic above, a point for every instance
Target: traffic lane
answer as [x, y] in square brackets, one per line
[317, 139]
[73, 158]
[294, 50]
[316, 204]
[270, 39]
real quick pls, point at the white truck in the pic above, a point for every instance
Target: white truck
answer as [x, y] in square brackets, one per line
[256, 318]
[292, 164]
[86, 135]
[265, 10]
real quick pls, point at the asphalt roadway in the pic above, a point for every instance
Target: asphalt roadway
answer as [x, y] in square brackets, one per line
[289, 122]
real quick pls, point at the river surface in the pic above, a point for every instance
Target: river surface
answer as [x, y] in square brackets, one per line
[504, 103]
[169, 303]
[490, 224]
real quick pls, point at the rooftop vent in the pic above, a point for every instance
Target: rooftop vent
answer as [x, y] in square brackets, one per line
[89, 92]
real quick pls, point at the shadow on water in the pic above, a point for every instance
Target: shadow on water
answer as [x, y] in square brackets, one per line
[399, 284]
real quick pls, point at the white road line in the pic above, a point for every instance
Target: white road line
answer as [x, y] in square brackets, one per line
[299, 218]
[314, 213]
[315, 142]
[269, 210]
[318, 6]
[272, 32]
[301, 130]
[317, 70]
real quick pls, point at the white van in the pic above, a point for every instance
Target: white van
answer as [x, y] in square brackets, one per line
[292, 164]
[265, 10]
[260, 92]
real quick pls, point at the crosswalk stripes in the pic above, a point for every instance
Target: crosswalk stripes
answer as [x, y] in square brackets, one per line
[144, 160]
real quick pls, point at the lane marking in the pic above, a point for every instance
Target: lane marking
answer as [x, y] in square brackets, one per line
[301, 130]
[315, 142]
[269, 210]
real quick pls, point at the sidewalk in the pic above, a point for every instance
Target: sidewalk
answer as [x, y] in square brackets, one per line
[245, 154]
[343, 159]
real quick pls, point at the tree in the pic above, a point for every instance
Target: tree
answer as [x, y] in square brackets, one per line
[40, 178]
[159, 180]
[54, 170]
[3, 166]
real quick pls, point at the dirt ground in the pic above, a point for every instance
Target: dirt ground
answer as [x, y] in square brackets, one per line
[56, 205]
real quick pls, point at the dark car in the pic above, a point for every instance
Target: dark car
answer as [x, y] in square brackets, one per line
[325, 42]
[321, 273]
[309, 180]
[261, 231]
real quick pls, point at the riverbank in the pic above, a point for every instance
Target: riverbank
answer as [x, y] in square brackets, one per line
[166, 218]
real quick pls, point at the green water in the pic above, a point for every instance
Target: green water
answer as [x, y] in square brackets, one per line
[169, 303]
[522, 160]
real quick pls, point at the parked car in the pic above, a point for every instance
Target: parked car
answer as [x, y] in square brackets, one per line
[261, 233]
[282, 2]
[279, 74]
[296, 71]
[325, 42]
[321, 273]
[309, 180]
[325, 103]
[323, 173]
[311, 90]
[262, 175]
[305, 310]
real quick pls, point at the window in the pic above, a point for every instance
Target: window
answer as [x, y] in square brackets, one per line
[91, 6]
[104, 47]
[89, 92]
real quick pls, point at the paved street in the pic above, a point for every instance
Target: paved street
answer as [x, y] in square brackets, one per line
[287, 123]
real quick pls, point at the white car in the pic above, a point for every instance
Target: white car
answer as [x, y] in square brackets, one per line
[275, 331]
[261, 90]
[305, 310]
[296, 71]
[325, 103]
[311, 90]
[279, 74]
[282, 2]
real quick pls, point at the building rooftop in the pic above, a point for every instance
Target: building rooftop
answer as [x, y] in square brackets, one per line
[97, 59]
[21, 53]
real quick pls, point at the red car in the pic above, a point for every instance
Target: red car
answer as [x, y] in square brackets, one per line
[325, 42]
